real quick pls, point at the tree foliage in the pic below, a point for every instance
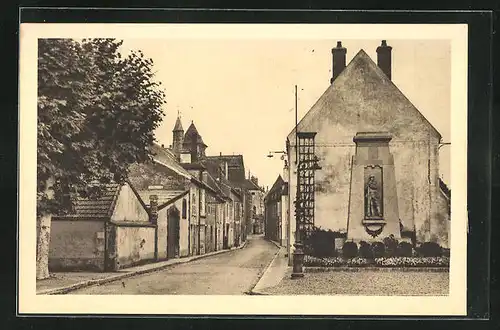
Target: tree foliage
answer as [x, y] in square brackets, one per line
[97, 112]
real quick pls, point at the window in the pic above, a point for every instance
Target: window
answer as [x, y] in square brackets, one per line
[202, 202]
[184, 208]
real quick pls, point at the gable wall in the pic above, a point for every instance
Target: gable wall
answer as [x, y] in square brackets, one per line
[362, 100]
[128, 207]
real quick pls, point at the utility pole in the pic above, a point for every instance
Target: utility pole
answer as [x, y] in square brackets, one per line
[296, 127]
[298, 253]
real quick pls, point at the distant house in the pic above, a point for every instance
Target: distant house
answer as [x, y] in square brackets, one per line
[233, 168]
[169, 186]
[276, 208]
[106, 234]
[256, 201]
[228, 170]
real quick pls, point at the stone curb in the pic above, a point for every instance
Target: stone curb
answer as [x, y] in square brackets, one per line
[254, 291]
[88, 283]
[276, 243]
[377, 269]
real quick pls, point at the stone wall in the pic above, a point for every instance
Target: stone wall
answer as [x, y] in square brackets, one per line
[76, 245]
[134, 245]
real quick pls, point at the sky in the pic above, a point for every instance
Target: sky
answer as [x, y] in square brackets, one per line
[240, 93]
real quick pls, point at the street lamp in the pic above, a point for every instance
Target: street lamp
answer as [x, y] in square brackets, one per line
[298, 254]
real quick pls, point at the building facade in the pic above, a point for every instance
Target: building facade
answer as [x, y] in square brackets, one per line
[276, 212]
[106, 234]
[362, 98]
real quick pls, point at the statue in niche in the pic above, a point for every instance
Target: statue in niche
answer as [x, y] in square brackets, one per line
[372, 198]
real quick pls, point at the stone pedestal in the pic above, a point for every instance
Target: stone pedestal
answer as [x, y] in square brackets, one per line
[373, 201]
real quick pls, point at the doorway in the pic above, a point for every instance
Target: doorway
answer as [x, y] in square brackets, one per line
[173, 229]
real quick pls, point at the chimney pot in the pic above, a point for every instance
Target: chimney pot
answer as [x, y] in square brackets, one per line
[338, 60]
[384, 58]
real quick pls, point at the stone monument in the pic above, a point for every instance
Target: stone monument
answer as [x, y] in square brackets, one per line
[373, 200]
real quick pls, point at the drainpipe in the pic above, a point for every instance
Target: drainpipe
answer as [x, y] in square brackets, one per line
[106, 256]
[199, 222]
[153, 216]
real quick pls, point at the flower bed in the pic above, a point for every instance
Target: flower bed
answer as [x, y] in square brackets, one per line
[310, 261]
[412, 262]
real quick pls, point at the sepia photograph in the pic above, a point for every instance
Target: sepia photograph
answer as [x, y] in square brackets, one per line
[226, 166]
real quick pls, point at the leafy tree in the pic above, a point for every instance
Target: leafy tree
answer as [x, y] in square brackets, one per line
[97, 112]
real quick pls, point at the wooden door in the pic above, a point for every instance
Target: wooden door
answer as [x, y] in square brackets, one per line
[173, 229]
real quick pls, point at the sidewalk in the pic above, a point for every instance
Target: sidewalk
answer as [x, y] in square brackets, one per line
[64, 282]
[275, 272]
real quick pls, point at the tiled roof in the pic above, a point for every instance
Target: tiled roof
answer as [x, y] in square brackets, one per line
[215, 177]
[236, 167]
[248, 184]
[100, 208]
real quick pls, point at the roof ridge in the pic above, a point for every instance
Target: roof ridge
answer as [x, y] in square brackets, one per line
[115, 200]
[360, 54]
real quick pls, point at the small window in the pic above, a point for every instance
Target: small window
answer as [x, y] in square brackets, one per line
[184, 208]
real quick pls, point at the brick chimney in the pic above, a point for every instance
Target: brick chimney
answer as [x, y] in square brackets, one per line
[384, 58]
[153, 208]
[338, 60]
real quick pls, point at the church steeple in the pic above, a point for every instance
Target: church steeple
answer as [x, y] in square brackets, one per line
[194, 143]
[178, 136]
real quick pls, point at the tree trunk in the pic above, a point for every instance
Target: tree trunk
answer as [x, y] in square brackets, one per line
[42, 247]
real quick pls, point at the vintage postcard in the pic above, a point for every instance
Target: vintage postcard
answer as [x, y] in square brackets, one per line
[243, 169]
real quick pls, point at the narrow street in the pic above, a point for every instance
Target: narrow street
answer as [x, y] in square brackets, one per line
[230, 273]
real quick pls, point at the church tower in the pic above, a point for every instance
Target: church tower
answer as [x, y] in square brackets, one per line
[178, 137]
[194, 143]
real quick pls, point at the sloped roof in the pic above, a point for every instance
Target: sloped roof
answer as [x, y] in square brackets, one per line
[236, 167]
[444, 188]
[250, 185]
[363, 93]
[279, 186]
[178, 125]
[166, 158]
[215, 177]
[193, 132]
[101, 207]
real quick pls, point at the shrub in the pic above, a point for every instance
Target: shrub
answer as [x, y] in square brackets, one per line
[391, 246]
[430, 249]
[378, 249]
[365, 250]
[350, 250]
[320, 243]
[405, 249]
